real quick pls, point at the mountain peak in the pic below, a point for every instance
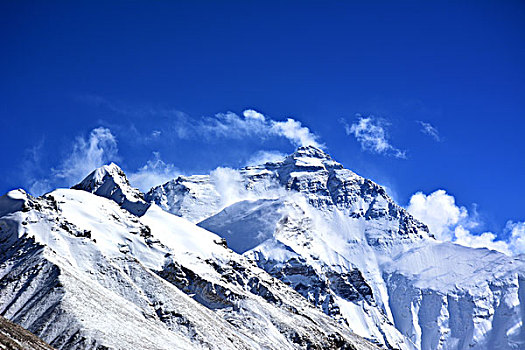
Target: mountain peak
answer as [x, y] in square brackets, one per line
[97, 176]
[310, 152]
[110, 181]
[308, 158]
[100, 176]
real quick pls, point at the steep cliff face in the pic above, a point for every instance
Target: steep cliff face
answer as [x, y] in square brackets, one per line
[82, 271]
[340, 241]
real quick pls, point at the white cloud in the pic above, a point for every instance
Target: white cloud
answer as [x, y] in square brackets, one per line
[428, 129]
[484, 240]
[87, 154]
[450, 222]
[231, 186]
[251, 114]
[229, 183]
[153, 173]
[296, 133]
[254, 124]
[438, 211]
[223, 125]
[230, 125]
[263, 157]
[516, 231]
[372, 136]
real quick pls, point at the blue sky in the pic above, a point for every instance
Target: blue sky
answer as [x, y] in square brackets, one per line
[418, 96]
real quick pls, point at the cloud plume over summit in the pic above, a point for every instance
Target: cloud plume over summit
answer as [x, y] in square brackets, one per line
[255, 124]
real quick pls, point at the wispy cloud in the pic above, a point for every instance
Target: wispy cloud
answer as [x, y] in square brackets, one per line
[255, 124]
[179, 125]
[229, 125]
[428, 129]
[153, 173]
[230, 184]
[88, 153]
[296, 133]
[516, 236]
[451, 222]
[489, 240]
[372, 134]
[84, 155]
[263, 157]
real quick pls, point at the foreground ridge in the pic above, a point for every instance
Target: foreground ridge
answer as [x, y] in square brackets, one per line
[14, 337]
[82, 272]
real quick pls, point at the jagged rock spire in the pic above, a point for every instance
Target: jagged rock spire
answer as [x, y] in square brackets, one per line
[109, 181]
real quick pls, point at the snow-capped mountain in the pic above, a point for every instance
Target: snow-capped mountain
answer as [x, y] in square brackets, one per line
[97, 267]
[300, 253]
[109, 181]
[340, 241]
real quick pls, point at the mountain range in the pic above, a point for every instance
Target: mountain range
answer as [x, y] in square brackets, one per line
[296, 254]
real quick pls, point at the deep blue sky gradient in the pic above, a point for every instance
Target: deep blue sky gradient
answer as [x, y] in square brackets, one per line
[458, 65]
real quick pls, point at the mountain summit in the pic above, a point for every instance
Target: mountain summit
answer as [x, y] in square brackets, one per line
[109, 181]
[304, 152]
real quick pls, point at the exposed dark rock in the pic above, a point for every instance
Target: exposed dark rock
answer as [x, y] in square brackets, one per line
[14, 337]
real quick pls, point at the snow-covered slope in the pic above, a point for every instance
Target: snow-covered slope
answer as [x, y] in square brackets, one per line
[340, 240]
[81, 272]
[444, 295]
